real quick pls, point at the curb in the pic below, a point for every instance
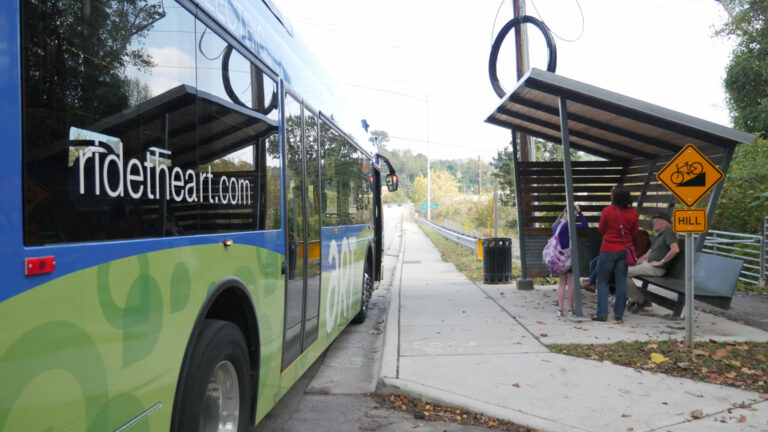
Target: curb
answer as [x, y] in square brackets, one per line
[391, 350]
[453, 400]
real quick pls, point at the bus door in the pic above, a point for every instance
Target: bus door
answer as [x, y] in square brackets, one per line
[302, 289]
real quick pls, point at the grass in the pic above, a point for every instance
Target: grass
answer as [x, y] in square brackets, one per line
[750, 287]
[742, 365]
[464, 259]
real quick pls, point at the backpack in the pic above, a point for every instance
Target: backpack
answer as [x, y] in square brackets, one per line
[558, 261]
[642, 242]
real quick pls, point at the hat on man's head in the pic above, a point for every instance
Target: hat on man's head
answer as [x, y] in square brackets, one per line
[662, 216]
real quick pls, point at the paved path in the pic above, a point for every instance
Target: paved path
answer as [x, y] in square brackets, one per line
[484, 348]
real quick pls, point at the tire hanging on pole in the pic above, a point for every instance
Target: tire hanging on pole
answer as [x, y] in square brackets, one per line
[514, 22]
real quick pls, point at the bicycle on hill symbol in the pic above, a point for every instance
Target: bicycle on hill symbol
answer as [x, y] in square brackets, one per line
[685, 170]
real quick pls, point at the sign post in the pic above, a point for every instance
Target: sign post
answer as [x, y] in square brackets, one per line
[689, 176]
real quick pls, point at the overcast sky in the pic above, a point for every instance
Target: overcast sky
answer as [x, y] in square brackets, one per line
[418, 69]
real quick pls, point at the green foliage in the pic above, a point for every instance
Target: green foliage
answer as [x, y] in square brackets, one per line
[444, 188]
[743, 203]
[410, 165]
[504, 173]
[746, 80]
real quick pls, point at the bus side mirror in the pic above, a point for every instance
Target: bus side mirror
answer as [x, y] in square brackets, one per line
[391, 182]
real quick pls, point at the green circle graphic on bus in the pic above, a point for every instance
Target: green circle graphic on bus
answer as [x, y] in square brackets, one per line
[142, 317]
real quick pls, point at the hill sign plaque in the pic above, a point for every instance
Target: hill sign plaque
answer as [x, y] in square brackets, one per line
[689, 221]
[690, 175]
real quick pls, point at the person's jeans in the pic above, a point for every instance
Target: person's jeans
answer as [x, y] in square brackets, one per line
[593, 269]
[611, 262]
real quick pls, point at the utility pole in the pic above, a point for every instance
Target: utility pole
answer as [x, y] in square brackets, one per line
[429, 170]
[527, 150]
[479, 177]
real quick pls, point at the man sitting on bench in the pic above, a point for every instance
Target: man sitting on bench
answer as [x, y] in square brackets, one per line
[654, 263]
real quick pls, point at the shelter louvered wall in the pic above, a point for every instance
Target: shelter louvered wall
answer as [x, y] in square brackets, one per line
[542, 189]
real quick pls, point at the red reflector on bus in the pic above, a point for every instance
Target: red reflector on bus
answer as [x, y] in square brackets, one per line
[41, 265]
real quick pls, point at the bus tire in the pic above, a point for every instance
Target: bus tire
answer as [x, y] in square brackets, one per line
[367, 292]
[217, 384]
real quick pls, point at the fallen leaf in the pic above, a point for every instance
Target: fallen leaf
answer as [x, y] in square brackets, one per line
[626, 415]
[539, 322]
[742, 405]
[658, 358]
[513, 385]
[742, 419]
[719, 354]
[697, 413]
[697, 352]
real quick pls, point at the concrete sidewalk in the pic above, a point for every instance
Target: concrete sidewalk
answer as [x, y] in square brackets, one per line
[484, 348]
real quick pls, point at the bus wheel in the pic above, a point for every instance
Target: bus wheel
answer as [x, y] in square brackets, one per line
[366, 295]
[216, 387]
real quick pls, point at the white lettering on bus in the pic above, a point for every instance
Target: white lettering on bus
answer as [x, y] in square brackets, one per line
[338, 302]
[170, 183]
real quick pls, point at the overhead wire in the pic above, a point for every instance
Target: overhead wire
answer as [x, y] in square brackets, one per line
[493, 28]
[583, 22]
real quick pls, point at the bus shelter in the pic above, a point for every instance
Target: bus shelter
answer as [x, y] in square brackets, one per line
[635, 139]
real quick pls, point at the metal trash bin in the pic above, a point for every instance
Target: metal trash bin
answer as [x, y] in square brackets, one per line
[497, 260]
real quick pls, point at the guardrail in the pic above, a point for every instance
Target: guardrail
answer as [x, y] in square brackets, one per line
[459, 228]
[747, 247]
[462, 239]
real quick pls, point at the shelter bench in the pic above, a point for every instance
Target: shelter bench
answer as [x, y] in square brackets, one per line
[714, 281]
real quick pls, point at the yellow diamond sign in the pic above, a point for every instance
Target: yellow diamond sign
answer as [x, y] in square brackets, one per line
[690, 175]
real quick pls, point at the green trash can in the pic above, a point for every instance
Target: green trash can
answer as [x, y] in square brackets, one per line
[497, 260]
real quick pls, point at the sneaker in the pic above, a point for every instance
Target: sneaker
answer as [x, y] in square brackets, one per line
[558, 313]
[571, 314]
[590, 287]
[619, 321]
[599, 318]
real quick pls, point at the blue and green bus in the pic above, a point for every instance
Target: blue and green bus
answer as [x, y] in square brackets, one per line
[187, 220]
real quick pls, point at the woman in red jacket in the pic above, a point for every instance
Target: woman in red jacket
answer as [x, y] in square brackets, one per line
[618, 225]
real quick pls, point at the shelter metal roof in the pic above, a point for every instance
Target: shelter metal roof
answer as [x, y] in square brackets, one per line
[604, 123]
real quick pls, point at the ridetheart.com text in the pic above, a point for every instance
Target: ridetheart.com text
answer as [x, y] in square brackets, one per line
[156, 178]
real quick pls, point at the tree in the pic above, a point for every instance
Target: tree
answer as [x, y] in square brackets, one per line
[504, 173]
[746, 79]
[444, 187]
[75, 52]
[380, 138]
[743, 203]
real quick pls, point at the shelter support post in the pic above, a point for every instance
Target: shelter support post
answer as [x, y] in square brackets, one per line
[572, 231]
[715, 195]
[519, 201]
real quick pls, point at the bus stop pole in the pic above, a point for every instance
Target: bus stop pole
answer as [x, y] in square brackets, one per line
[572, 231]
[689, 263]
